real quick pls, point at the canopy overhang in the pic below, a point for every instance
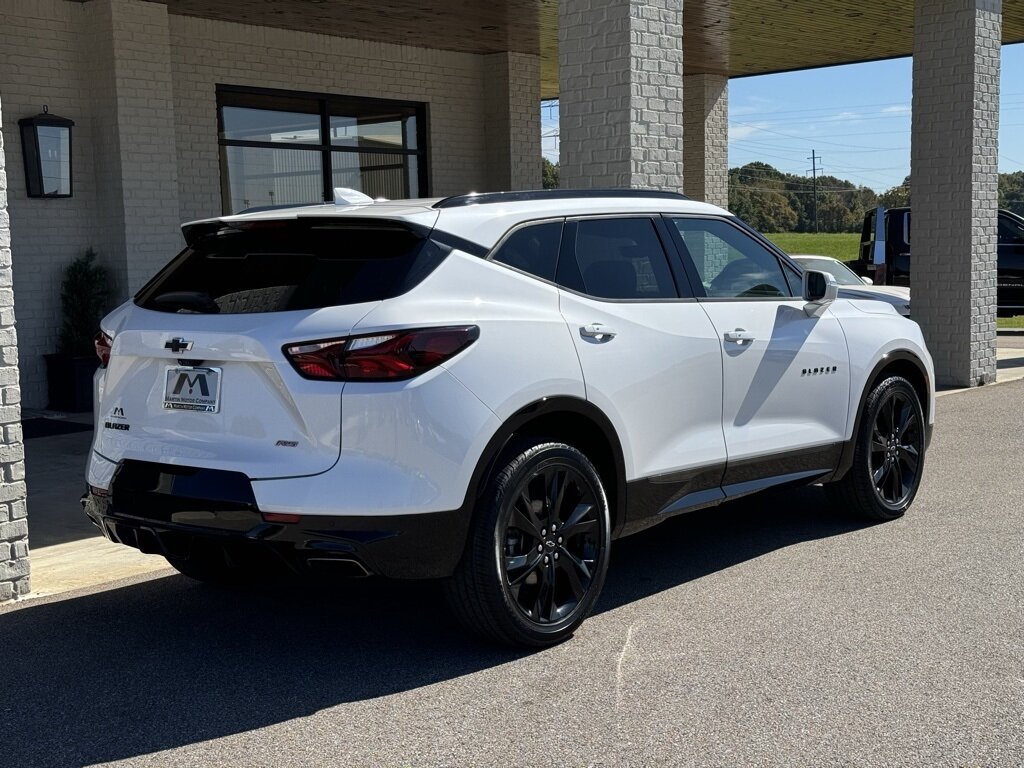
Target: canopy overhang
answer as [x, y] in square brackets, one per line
[737, 38]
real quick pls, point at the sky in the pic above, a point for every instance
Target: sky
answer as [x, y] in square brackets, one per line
[856, 117]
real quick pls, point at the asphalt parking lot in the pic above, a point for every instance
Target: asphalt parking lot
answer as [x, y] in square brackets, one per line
[765, 632]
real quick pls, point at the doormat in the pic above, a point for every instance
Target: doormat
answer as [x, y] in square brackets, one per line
[50, 427]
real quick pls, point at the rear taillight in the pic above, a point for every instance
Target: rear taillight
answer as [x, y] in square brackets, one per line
[380, 357]
[103, 343]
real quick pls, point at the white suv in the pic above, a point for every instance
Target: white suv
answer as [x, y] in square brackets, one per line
[487, 389]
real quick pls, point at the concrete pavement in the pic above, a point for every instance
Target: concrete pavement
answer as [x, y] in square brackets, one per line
[765, 632]
[67, 552]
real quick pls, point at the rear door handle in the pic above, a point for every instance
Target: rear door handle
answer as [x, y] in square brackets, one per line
[740, 336]
[597, 331]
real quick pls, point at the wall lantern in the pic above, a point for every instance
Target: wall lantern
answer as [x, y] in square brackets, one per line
[46, 146]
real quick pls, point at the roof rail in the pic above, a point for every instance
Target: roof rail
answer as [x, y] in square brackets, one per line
[475, 198]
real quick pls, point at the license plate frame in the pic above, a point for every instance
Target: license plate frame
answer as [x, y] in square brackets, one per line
[192, 388]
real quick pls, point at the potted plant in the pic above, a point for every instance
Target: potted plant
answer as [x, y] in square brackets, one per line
[84, 293]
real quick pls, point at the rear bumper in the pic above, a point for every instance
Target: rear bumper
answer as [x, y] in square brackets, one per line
[178, 512]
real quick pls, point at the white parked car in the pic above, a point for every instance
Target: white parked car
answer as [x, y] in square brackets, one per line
[488, 389]
[852, 286]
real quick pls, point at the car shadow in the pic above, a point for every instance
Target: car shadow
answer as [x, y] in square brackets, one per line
[168, 662]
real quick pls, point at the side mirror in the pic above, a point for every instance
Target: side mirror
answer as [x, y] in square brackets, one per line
[820, 290]
[868, 281]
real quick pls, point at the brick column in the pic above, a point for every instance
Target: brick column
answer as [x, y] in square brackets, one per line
[13, 523]
[512, 121]
[135, 154]
[706, 138]
[954, 147]
[621, 93]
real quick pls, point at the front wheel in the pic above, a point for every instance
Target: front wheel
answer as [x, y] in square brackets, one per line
[537, 552]
[888, 457]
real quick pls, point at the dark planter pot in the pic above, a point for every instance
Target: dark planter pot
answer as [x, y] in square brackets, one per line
[69, 381]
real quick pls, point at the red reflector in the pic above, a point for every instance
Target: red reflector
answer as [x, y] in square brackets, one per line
[280, 517]
[95, 491]
[385, 356]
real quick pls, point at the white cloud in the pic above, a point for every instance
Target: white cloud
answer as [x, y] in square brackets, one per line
[739, 132]
[898, 109]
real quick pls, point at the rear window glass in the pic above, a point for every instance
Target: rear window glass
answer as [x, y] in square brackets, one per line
[279, 267]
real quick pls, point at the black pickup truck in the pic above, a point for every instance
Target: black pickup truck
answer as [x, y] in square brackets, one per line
[896, 229]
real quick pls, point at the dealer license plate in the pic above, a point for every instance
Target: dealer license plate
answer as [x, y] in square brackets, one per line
[192, 389]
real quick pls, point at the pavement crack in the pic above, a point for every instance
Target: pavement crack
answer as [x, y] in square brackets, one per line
[627, 647]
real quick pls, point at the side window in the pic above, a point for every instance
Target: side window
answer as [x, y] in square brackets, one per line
[730, 263]
[533, 249]
[1010, 231]
[619, 259]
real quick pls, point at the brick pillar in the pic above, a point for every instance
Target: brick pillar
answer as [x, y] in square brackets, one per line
[135, 154]
[621, 93]
[512, 121]
[13, 523]
[706, 138]
[954, 147]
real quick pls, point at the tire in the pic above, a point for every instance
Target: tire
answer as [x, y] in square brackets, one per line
[889, 454]
[519, 581]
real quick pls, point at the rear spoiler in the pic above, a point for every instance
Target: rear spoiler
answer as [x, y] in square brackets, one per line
[196, 230]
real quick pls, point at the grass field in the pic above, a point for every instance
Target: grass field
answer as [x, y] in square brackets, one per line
[841, 245]
[844, 246]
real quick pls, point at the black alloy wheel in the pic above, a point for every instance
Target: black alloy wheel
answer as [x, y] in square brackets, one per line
[888, 456]
[897, 443]
[537, 552]
[553, 540]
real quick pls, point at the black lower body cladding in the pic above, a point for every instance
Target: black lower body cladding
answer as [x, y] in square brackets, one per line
[174, 511]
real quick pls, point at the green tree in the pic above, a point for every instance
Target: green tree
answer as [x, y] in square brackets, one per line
[549, 174]
[896, 197]
[756, 196]
[1011, 192]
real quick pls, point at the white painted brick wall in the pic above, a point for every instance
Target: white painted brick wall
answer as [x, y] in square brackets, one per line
[706, 138]
[205, 53]
[13, 525]
[149, 163]
[621, 93]
[42, 47]
[954, 148]
[512, 121]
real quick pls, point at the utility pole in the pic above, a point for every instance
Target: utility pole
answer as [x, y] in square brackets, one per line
[814, 158]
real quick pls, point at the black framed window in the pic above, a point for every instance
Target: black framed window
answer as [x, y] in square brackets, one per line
[284, 147]
[532, 249]
[729, 262]
[618, 258]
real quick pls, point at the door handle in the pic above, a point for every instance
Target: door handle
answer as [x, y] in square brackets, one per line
[740, 336]
[597, 331]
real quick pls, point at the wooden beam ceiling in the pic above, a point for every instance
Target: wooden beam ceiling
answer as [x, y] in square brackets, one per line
[733, 37]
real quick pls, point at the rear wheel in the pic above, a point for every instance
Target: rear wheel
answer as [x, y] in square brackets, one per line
[888, 456]
[537, 552]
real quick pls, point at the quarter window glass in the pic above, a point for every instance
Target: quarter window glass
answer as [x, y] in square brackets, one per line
[533, 249]
[622, 259]
[730, 263]
[796, 281]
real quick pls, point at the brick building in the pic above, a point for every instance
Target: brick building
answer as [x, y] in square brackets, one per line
[189, 108]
